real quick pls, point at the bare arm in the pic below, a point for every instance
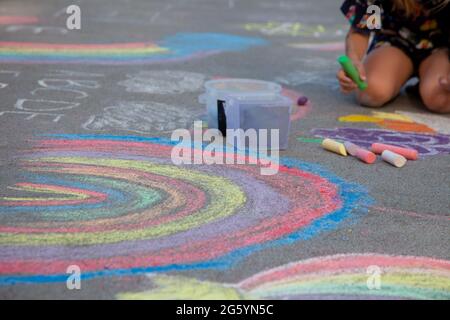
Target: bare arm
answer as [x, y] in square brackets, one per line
[356, 45]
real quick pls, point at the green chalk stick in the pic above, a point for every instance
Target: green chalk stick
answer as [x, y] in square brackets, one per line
[352, 72]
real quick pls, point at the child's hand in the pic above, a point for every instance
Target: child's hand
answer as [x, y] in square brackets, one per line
[445, 82]
[347, 84]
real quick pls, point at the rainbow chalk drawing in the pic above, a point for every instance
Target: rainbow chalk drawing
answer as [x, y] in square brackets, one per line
[117, 206]
[179, 47]
[328, 277]
[18, 20]
[425, 144]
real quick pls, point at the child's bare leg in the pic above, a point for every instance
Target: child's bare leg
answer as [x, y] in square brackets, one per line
[434, 95]
[387, 70]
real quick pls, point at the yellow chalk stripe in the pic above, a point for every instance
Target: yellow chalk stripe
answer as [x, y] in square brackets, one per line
[359, 118]
[69, 195]
[183, 288]
[391, 116]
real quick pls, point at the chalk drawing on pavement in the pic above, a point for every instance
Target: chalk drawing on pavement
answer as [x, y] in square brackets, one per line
[179, 47]
[29, 115]
[324, 46]
[296, 29]
[438, 123]
[8, 73]
[141, 117]
[425, 144]
[38, 105]
[163, 82]
[330, 277]
[388, 120]
[36, 29]
[116, 205]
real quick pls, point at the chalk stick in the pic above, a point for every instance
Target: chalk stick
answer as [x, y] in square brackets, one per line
[352, 72]
[366, 156]
[360, 153]
[334, 146]
[393, 158]
[351, 148]
[409, 154]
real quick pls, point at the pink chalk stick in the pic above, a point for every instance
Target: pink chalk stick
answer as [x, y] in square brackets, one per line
[360, 153]
[409, 154]
[351, 148]
[366, 156]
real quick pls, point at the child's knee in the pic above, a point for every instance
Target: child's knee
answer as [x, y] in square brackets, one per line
[376, 95]
[435, 98]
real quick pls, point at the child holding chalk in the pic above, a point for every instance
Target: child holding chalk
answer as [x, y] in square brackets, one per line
[413, 40]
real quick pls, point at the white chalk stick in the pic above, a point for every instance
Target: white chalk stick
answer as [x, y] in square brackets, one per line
[393, 158]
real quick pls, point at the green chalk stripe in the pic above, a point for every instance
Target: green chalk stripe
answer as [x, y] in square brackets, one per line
[310, 140]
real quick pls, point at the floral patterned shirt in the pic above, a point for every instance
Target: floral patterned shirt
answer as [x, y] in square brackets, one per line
[418, 35]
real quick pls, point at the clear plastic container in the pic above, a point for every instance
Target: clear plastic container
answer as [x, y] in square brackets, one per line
[218, 90]
[243, 112]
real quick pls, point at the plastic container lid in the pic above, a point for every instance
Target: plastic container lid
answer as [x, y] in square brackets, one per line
[223, 87]
[275, 100]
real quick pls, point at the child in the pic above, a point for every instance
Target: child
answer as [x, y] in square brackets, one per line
[413, 41]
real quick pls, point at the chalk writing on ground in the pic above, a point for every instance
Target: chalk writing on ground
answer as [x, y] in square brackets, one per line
[438, 123]
[298, 78]
[56, 92]
[141, 117]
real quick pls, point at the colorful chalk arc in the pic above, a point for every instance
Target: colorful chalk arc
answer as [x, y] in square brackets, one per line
[341, 276]
[177, 47]
[116, 205]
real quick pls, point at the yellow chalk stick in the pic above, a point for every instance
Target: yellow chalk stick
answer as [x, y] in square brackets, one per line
[334, 146]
